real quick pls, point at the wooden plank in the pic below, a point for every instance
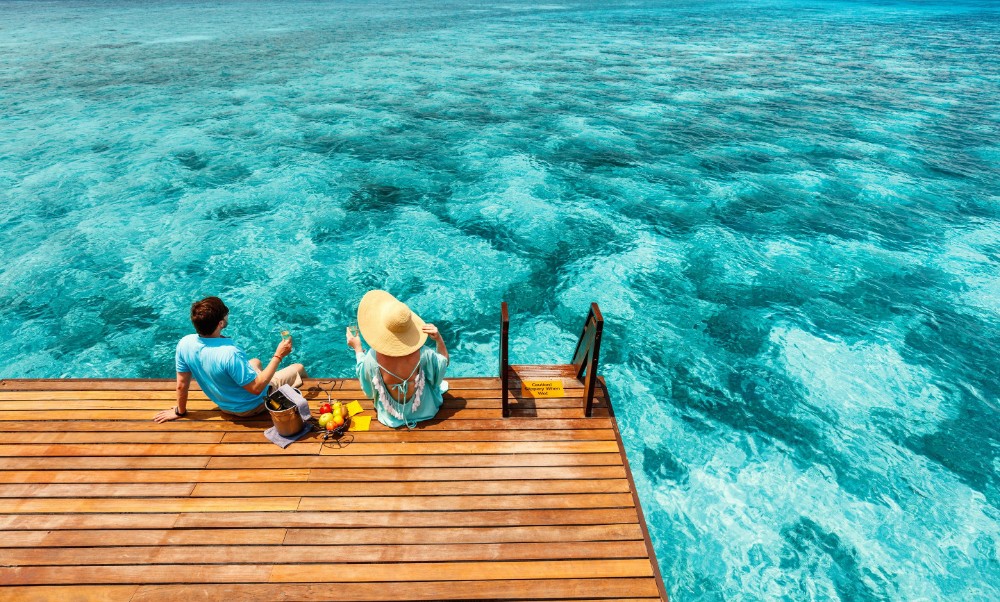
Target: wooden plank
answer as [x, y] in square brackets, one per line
[154, 476]
[550, 413]
[138, 450]
[465, 502]
[421, 488]
[72, 384]
[528, 371]
[476, 460]
[467, 473]
[244, 520]
[315, 461]
[516, 589]
[458, 518]
[443, 436]
[527, 405]
[572, 390]
[70, 399]
[465, 571]
[97, 538]
[330, 537]
[299, 573]
[37, 522]
[129, 463]
[75, 593]
[94, 401]
[139, 415]
[468, 448]
[142, 425]
[18, 497]
[432, 535]
[186, 426]
[445, 413]
[341, 504]
[288, 554]
[119, 437]
[154, 573]
[61, 401]
[143, 505]
[67, 400]
[34, 490]
[355, 449]
[341, 479]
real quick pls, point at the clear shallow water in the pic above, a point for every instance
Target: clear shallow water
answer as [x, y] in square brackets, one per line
[789, 212]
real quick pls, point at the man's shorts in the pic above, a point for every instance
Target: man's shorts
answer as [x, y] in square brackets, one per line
[292, 375]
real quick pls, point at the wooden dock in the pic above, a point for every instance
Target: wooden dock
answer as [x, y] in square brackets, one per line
[97, 502]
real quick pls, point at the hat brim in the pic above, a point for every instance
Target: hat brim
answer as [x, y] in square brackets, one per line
[378, 336]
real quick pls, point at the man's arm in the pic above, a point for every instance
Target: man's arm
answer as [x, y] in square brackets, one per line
[264, 376]
[183, 386]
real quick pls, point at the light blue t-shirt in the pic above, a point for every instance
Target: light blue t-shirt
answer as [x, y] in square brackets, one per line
[432, 364]
[221, 369]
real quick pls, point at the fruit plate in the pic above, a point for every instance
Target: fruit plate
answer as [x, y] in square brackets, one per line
[338, 431]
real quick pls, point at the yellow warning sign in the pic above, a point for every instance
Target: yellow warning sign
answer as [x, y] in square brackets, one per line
[542, 388]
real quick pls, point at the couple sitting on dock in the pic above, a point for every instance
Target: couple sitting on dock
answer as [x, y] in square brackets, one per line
[398, 373]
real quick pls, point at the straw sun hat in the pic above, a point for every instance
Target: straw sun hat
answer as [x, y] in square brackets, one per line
[388, 325]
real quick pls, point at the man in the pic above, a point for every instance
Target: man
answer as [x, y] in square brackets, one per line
[236, 384]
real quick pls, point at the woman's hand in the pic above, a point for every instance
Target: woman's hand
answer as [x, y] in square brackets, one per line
[432, 331]
[353, 341]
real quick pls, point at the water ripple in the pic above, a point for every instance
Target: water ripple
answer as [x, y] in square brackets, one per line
[787, 209]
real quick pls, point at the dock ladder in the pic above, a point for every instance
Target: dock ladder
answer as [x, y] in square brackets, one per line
[583, 366]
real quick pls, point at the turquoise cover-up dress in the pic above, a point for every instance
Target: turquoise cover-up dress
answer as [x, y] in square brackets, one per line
[423, 396]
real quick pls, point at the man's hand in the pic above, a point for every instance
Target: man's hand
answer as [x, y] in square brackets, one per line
[183, 384]
[166, 415]
[284, 348]
[432, 331]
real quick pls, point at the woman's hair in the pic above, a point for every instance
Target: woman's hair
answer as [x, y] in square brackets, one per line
[207, 313]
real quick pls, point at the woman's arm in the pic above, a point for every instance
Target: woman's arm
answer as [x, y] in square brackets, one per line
[433, 332]
[354, 342]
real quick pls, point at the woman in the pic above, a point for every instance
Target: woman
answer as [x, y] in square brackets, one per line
[398, 372]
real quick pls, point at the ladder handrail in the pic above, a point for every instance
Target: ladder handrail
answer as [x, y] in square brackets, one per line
[587, 355]
[504, 364]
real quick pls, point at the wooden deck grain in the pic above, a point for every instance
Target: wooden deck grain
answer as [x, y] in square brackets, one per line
[111, 506]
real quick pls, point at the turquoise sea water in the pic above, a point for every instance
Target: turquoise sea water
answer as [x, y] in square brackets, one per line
[789, 212]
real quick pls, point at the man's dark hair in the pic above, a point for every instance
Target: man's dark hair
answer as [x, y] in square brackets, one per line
[207, 313]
